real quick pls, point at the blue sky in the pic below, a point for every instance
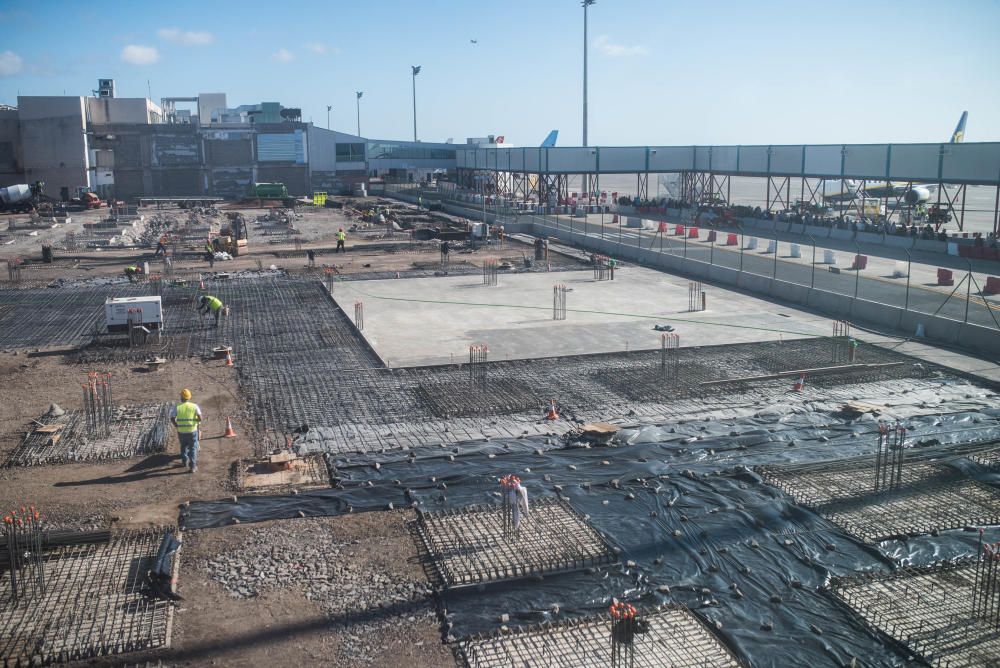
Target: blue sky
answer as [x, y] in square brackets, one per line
[660, 72]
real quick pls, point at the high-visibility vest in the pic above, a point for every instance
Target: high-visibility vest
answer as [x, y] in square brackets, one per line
[187, 418]
[132, 268]
[214, 303]
[341, 236]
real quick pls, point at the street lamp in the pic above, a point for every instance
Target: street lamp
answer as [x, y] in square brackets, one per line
[585, 4]
[359, 94]
[416, 71]
[328, 108]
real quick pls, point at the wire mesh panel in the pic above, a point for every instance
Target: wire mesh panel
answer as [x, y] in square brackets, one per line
[97, 602]
[927, 497]
[673, 637]
[929, 610]
[468, 546]
[119, 432]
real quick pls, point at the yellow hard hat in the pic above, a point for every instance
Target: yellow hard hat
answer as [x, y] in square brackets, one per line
[185, 394]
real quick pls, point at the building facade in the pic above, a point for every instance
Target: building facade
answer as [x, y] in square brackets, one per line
[124, 148]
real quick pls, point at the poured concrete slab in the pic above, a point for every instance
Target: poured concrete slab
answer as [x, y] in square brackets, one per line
[425, 321]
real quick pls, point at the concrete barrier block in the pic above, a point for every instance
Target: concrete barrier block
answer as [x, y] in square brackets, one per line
[795, 250]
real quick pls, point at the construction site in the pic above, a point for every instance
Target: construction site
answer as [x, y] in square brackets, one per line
[430, 440]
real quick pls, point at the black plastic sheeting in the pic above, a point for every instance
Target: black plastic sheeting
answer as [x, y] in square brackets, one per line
[734, 549]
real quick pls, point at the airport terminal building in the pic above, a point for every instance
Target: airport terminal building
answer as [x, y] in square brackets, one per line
[124, 148]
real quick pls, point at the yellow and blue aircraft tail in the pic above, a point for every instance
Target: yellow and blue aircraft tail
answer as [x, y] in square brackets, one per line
[959, 134]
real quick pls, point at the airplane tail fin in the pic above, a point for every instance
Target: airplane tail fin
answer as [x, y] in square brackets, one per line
[959, 134]
[550, 141]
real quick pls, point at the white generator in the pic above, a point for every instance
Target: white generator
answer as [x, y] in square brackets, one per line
[117, 310]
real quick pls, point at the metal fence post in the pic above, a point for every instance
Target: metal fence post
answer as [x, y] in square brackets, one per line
[968, 290]
[857, 272]
[685, 243]
[743, 243]
[774, 272]
[812, 281]
[711, 253]
[909, 263]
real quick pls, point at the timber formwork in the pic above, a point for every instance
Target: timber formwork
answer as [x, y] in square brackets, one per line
[467, 546]
[134, 430]
[96, 604]
[930, 497]
[671, 637]
[929, 610]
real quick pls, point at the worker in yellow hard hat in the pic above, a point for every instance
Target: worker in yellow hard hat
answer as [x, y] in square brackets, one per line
[210, 304]
[186, 417]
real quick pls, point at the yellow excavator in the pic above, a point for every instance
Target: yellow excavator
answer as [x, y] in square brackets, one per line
[233, 236]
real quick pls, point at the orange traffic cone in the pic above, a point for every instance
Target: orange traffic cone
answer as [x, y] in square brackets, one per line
[552, 414]
[799, 384]
[229, 358]
[201, 282]
[230, 432]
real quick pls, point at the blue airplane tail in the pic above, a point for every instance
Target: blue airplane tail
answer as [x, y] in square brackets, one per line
[550, 141]
[959, 134]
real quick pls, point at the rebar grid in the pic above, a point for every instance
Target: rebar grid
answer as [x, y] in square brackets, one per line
[95, 604]
[696, 296]
[889, 456]
[673, 637]
[986, 586]
[990, 459]
[559, 301]
[669, 345]
[467, 545]
[25, 568]
[490, 272]
[133, 430]
[478, 353]
[929, 610]
[704, 372]
[843, 345]
[601, 267]
[930, 497]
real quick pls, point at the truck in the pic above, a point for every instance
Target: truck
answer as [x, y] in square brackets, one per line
[21, 196]
[270, 190]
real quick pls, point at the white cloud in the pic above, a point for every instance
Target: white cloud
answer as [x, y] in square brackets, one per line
[140, 55]
[187, 38]
[10, 63]
[283, 55]
[604, 45]
[317, 47]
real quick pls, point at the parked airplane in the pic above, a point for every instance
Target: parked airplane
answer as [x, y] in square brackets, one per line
[916, 193]
[550, 141]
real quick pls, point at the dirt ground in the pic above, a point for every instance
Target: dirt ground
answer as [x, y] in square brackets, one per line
[284, 625]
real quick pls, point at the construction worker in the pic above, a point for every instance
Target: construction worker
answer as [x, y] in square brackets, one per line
[161, 246]
[341, 238]
[210, 303]
[132, 272]
[311, 255]
[612, 263]
[186, 417]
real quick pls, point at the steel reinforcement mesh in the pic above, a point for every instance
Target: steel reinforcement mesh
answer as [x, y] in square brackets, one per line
[929, 610]
[135, 430]
[466, 546]
[673, 637]
[95, 604]
[302, 362]
[931, 497]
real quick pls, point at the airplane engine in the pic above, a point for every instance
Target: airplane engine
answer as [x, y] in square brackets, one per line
[917, 195]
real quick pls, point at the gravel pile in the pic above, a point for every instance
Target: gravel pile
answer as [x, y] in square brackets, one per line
[371, 603]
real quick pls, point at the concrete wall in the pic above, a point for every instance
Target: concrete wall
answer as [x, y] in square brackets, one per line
[11, 171]
[106, 110]
[54, 142]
